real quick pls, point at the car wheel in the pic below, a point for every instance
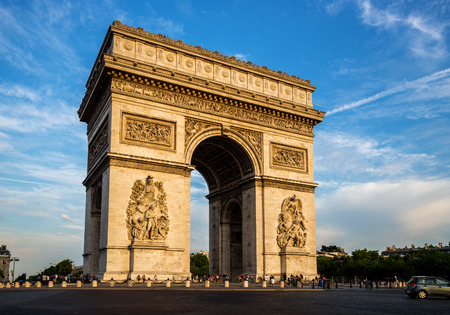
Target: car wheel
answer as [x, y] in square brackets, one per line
[421, 294]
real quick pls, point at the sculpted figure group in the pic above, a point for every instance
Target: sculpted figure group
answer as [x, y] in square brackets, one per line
[147, 215]
[291, 227]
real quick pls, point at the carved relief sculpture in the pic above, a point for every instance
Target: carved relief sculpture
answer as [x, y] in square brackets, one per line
[255, 138]
[291, 230]
[194, 126]
[147, 131]
[99, 143]
[147, 215]
[290, 157]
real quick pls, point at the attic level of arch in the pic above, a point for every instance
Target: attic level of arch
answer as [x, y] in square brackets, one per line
[164, 85]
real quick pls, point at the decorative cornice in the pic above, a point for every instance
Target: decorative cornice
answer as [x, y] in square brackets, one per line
[197, 100]
[207, 53]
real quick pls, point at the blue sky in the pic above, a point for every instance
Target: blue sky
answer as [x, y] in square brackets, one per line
[382, 71]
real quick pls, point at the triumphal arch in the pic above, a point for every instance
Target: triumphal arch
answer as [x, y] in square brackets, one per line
[156, 109]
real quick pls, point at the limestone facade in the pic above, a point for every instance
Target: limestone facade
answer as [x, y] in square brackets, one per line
[155, 110]
[5, 259]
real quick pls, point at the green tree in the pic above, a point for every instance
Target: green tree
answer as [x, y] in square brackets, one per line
[199, 265]
[329, 249]
[22, 277]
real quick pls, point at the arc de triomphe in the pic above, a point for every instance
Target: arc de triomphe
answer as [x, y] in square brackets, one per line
[155, 110]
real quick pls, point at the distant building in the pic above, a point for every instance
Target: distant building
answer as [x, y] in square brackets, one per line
[405, 250]
[339, 253]
[5, 258]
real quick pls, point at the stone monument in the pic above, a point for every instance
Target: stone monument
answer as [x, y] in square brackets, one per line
[155, 110]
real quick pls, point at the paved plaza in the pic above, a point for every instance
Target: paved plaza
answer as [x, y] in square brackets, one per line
[216, 299]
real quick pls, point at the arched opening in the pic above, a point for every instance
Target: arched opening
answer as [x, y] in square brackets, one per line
[226, 167]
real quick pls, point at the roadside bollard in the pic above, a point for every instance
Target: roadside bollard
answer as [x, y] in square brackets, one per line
[245, 283]
[149, 283]
[188, 284]
[8, 285]
[78, 284]
[1, 285]
[264, 284]
[168, 283]
[207, 284]
[111, 283]
[64, 284]
[227, 284]
[50, 284]
[129, 283]
[281, 284]
[94, 283]
[16, 285]
[38, 284]
[27, 284]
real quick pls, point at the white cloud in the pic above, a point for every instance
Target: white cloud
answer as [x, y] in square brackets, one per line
[66, 217]
[422, 34]
[341, 153]
[243, 57]
[378, 214]
[421, 83]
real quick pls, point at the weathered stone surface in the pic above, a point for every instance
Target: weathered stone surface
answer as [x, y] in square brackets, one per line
[156, 109]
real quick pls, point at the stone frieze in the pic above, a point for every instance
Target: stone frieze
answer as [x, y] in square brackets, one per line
[142, 130]
[97, 146]
[211, 106]
[288, 157]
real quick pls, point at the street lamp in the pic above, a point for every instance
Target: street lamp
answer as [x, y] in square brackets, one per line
[14, 259]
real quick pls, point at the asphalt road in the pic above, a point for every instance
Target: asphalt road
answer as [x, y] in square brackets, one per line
[219, 301]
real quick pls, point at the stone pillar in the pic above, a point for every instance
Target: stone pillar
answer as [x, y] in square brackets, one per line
[245, 283]
[1, 285]
[64, 284]
[227, 284]
[94, 283]
[129, 283]
[38, 284]
[149, 283]
[168, 283]
[282, 284]
[207, 284]
[50, 284]
[188, 284]
[27, 284]
[78, 284]
[264, 284]
[16, 285]
[111, 283]
[8, 285]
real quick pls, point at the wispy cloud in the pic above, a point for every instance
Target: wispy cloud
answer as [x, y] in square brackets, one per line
[66, 217]
[424, 35]
[243, 57]
[420, 83]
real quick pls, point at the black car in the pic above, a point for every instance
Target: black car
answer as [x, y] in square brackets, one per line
[423, 286]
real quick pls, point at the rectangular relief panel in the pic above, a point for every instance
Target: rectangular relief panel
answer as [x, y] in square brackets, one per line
[146, 131]
[287, 157]
[99, 143]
